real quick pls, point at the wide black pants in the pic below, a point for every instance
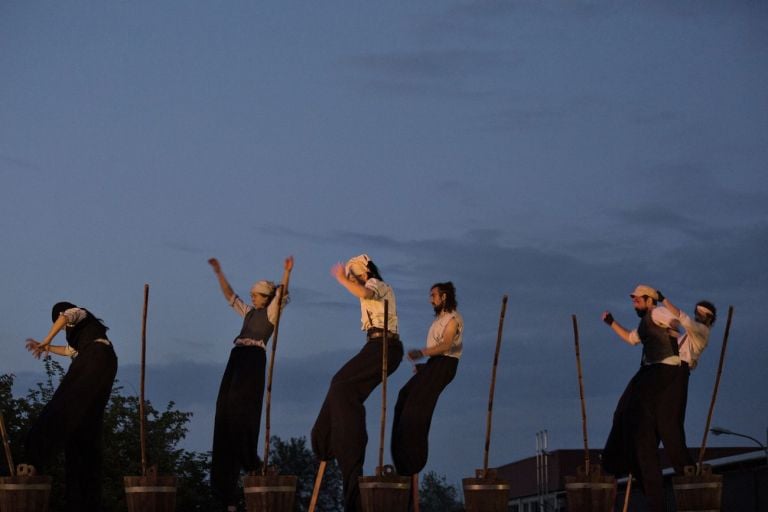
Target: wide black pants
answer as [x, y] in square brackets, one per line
[238, 420]
[413, 413]
[339, 431]
[73, 420]
[632, 445]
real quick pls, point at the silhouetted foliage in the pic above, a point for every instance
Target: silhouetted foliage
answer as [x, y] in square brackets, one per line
[436, 495]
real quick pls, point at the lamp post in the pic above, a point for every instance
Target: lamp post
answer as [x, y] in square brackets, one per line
[720, 431]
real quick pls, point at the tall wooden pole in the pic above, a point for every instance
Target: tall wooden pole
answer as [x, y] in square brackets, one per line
[714, 392]
[493, 387]
[318, 484]
[142, 425]
[384, 367]
[7, 446]
[268, 412]
[581, 394]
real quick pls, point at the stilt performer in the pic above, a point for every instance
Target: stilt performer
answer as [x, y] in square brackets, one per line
[238, 406]
[339, 431]
[73, 419]
[633, 442]
[418, 398]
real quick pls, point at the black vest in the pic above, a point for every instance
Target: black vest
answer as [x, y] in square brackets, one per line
[658, 343]
[256, 326]
[85, 331]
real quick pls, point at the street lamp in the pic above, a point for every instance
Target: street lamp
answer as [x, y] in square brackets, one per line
[720, 431]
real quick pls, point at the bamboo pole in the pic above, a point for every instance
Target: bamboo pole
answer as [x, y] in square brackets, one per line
[268, 407]
[318, 484]
[581, 395]
[384, 367]
[7, 446]
[714, 392]
[142, 414]
[493, 387]
[627, 493]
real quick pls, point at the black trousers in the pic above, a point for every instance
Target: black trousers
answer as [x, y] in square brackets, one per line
[632, 445]
[238, 420]
[73, 420]
[413, 413]
[339, 431]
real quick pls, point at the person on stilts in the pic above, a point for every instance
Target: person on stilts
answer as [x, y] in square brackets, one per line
[241, 393]
[417, 399]
[74, 417]
[339, 431]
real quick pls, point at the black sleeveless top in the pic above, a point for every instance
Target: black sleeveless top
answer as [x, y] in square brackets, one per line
[658, 343]
[82, 334]
[256, 326]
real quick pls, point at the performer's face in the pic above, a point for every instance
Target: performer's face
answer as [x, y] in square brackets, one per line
[437, 299]
[641, 303]
[259, 301]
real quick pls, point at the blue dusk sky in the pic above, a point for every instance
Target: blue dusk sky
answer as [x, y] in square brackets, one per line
[560, 152]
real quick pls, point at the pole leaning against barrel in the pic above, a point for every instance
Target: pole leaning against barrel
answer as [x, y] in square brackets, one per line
[589, 490]
[385, 491]
[493, 386]
[699, 488]
[150, 491]
[270, 373]
[485, 492]
[7, 446]
[717, 386]
[142, 413]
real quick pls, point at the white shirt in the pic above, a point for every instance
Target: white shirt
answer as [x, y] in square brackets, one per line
[372, 310]
[436, 330]
[694, 341]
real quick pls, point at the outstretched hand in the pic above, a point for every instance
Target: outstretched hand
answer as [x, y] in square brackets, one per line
[288, 264]
[215, 264]
[337, 271]
[35, 347]
[415, 354]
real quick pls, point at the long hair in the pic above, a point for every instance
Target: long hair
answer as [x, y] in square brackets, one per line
[61, 307]
[373, 271]
[450, 295]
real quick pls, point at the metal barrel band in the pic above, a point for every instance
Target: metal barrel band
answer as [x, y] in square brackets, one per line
[487, 487]
[25, 487]
[710, 485]
[146, 488]
[261, 489]
[384, 485]
[588, 486]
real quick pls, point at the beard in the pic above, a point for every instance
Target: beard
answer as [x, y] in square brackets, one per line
[641, 312]
[438, 309]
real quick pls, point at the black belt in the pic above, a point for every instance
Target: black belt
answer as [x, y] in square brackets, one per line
[377, 333]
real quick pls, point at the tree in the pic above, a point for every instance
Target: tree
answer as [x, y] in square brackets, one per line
[121, 444]
[436, 495]
[292, 457]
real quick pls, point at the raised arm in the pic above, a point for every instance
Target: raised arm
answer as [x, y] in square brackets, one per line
[226, 289]
[353, 287]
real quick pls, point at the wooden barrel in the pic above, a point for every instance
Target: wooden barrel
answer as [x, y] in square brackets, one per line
[25, 493]
[595, 492]
[151, 493]
[387, 492]
[269, 493]
[698, 493]
[485, 493]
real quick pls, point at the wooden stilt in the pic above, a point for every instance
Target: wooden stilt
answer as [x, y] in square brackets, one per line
[627, 492]
[318, 483]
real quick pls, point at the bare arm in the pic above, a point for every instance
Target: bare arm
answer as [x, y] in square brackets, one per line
[38, 347]
[620, 330]
[226, 289]
[353, 287]
[443, 347]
